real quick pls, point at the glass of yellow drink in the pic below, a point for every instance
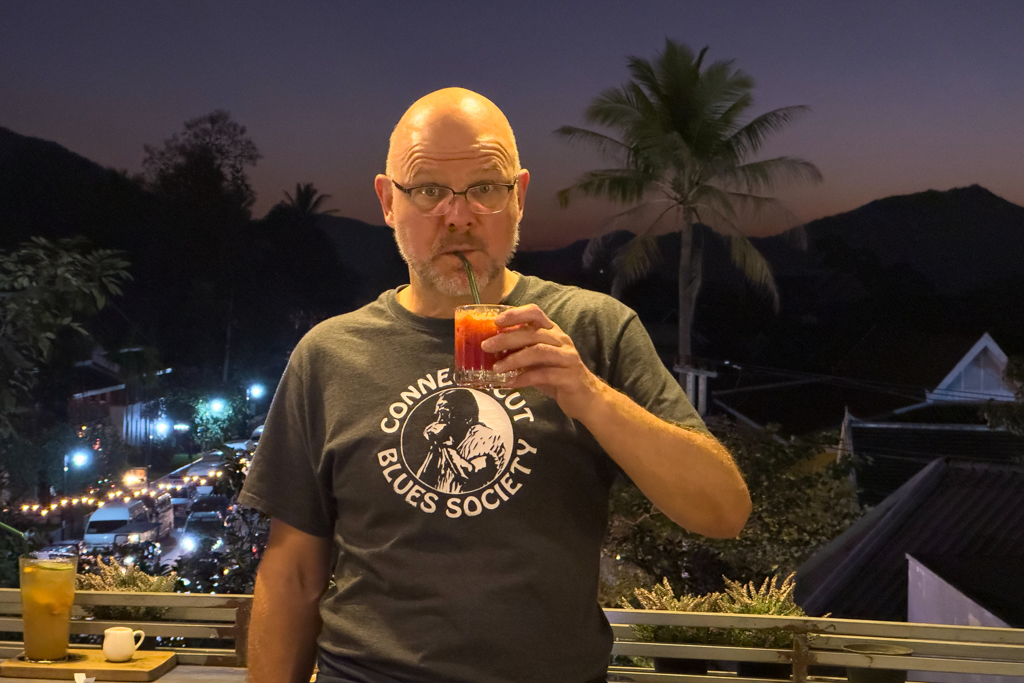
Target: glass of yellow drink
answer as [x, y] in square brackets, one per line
[47, 593]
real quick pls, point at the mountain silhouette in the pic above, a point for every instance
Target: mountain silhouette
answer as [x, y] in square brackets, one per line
[911, 255]
[960, 240]
[49, 191]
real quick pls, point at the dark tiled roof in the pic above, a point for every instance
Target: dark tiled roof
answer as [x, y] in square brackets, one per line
[889, 454]
[942, 412]
[993, 583]
[951, 508]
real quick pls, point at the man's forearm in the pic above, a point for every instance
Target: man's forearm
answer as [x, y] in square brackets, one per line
[283, 631]
[687, 475]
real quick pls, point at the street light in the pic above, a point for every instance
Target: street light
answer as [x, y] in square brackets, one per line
[78, 458]
[217, 405]
[162, 428]
[256, 391]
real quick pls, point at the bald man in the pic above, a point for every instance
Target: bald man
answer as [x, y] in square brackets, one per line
[495, 580]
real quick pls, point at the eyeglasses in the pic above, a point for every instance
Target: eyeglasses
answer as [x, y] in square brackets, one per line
[436, 200]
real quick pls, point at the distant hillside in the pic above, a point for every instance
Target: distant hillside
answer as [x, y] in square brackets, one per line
[49, 191]
[960, 240]
[369, 251]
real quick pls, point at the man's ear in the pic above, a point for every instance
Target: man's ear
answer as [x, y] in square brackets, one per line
[522, 182]
[386, 194]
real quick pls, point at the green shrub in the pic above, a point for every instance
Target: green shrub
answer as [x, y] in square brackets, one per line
[115, 577]
[771, 598]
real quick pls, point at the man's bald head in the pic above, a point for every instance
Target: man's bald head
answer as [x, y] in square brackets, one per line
[448, 123]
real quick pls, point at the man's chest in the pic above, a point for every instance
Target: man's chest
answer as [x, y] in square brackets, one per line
[415, 444]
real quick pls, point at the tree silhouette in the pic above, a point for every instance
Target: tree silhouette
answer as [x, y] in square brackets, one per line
[201, 176]
[306, 201]
[213, 141]
[683, 158]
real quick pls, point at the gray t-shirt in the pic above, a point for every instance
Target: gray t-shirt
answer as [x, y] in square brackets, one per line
[468, 524]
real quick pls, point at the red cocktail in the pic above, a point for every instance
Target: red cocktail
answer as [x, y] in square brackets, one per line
[473, 366]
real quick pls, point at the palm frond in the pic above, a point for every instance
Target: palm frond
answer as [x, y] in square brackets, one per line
[638, 257]
[315, 206]
[749, 139]
[628, 219]
[754, 267]
[597, 251]
[744, 207]
[618, 108]
[604, 144]
[769, 174]
[622, 185]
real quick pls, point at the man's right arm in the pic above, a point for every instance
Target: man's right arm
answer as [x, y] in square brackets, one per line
[292, 576]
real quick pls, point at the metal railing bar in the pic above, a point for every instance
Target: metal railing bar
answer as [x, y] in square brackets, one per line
[850, 627]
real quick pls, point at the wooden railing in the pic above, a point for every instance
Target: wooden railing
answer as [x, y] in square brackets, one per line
[936, 648]
[818, 642]
[188, 615]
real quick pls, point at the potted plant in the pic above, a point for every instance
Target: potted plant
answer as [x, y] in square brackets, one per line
[661, 597]
[112, 576]
[772, 597]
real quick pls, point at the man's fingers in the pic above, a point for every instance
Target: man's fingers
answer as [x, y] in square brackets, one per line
[537, 354]
[531, 314]
[517, 339]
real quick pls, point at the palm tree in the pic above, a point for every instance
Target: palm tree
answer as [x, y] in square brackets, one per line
[307, 200]
[684, 160]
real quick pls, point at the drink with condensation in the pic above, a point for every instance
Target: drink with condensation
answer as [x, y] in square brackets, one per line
[473, 366]
[47, 593]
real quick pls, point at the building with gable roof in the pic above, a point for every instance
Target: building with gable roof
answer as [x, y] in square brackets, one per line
[889, 375]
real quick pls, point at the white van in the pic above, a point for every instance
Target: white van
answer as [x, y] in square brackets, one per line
[182, 494]
[112, 516]
[160, 507]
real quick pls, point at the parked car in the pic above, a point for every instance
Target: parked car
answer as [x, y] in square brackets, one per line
[137, 532]
[160, 507]
[99, 531]
[202, 527]
[221, 504]
[182, 494]
[144, 554]
[254, 440]
[64, 549]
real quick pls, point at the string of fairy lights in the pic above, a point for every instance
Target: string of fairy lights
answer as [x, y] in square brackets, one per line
[96, 498]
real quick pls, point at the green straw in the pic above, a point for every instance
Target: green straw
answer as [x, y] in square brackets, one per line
[12, 530]
[469, 273]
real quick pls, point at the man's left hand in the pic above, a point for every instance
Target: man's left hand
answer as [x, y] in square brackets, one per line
[546, 357]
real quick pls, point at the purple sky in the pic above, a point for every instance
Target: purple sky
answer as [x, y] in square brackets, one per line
[905, 96]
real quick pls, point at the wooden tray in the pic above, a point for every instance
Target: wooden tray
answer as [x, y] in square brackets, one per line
[145, 665]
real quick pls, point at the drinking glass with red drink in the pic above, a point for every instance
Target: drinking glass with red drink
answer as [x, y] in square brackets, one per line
[474, 367]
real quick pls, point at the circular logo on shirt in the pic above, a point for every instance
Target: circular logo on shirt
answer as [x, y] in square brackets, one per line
[456, 441]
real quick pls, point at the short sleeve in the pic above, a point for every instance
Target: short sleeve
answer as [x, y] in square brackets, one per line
[638, 372]
[284, 479]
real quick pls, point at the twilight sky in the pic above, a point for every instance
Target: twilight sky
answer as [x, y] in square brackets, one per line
[905, 95]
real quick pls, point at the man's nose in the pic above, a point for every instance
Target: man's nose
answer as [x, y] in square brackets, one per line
[459, 214]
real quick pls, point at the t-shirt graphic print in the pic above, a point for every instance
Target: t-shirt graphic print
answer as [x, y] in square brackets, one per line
[457, 449]
[466, 443]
